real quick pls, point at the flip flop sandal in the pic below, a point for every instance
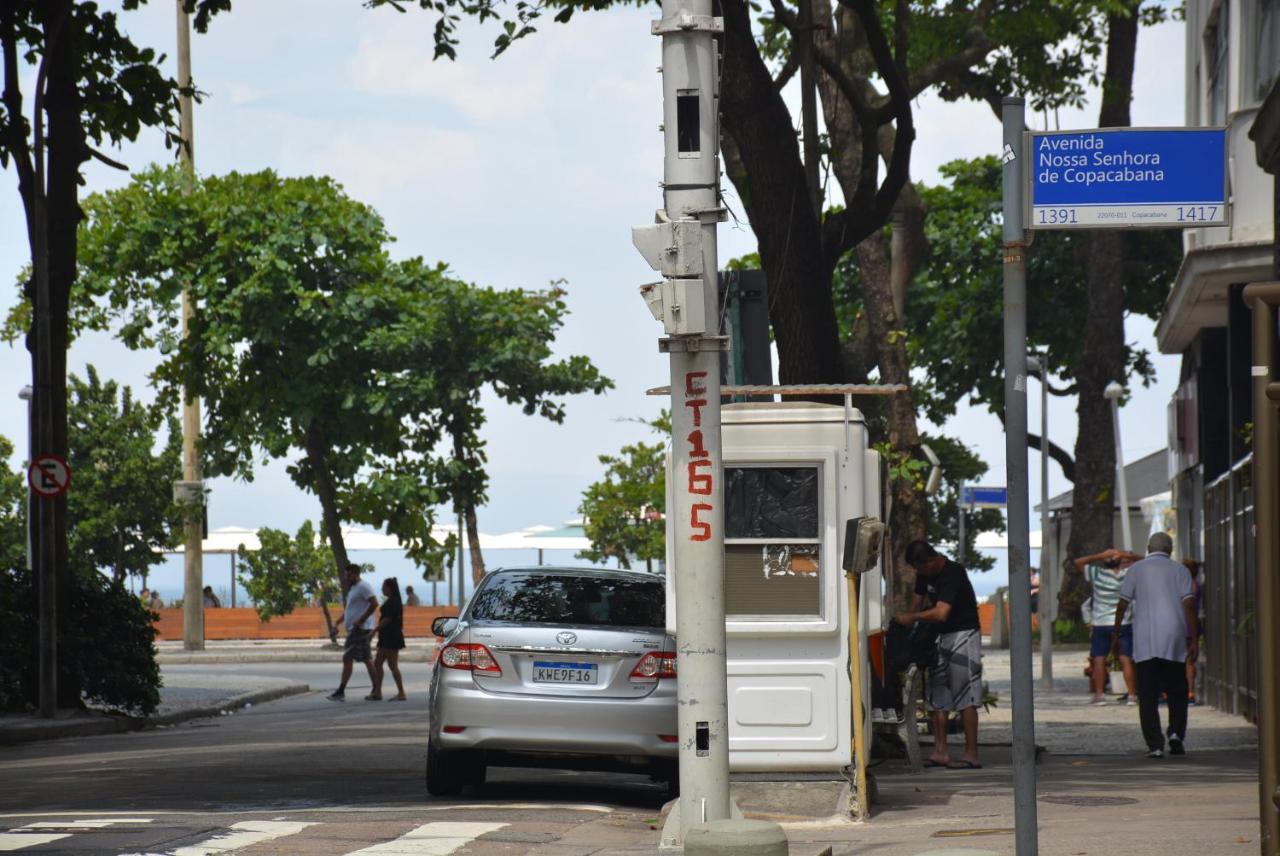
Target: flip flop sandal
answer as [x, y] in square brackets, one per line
[398, 698]
[372, 697]
[963, 765]
[929, 762]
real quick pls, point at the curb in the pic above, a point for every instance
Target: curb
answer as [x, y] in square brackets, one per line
[267, 657]
[119, 724]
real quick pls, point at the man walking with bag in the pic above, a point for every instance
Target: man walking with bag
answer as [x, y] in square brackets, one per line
[1165, 638]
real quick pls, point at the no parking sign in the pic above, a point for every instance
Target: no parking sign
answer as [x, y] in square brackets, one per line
[49, 476]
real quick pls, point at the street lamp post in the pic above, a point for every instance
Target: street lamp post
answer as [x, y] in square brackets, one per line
[1113, 393]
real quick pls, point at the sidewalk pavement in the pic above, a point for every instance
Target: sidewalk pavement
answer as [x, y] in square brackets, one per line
[1096, 792]
[320, 650]
[183, 697]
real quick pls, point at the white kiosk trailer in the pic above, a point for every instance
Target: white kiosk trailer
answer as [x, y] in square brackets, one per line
[795, 473]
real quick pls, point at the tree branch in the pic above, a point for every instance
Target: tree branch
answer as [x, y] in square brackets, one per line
[871, 206]
[99, 156]
[901, 42]
[978, 46]
[788, 71]
[1065, 461]
[14, 132]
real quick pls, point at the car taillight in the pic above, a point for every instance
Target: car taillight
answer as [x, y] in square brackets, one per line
[469, 657]
[654, 665]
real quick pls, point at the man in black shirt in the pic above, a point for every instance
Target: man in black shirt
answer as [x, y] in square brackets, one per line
[955, 680]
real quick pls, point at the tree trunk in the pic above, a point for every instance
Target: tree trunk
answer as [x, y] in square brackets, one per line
[66, 152]
[464, 502]
[473, 541]
[1102, 355]
[776, 197]
[318, 461]
[909, 520]
[328, 621]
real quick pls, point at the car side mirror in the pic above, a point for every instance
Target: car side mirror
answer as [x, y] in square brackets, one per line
[443, 625]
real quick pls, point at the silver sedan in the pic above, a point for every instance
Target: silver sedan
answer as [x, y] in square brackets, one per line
[555, 667]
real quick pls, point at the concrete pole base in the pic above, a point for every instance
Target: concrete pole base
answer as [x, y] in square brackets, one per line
[736, 838]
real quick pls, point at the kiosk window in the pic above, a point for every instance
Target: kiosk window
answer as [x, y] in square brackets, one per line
[772, 547]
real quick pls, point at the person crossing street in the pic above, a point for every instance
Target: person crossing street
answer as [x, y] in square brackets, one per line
[359, 622]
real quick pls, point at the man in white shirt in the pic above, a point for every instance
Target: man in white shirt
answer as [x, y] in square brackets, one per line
[358, 619]
[1164, 640]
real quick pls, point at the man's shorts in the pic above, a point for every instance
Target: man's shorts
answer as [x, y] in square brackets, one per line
[357, 647]
[955, 680]
[1100, 641]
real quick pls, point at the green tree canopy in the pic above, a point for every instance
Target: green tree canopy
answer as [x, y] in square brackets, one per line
[469, 339]
[285, 573]
[13, 512]
[311, 344]
[624, 512]
[954, 315]
[121, 509]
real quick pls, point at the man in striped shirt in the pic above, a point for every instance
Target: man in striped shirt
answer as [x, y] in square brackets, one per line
[1105, 572]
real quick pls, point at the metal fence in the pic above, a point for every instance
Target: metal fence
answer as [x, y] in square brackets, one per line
[1230, 667]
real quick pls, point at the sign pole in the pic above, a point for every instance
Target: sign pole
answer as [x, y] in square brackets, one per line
[1015, 407]
[960, 522]
[682, 246]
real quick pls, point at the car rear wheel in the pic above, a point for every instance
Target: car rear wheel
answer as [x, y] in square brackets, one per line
[667, 774]
[474, 768]
[445, 775]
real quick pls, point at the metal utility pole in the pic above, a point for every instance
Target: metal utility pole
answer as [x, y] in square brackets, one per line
[190, 491]
[1026, 836]
[960, 522]
[1266, 485]
[1114, 392]
[682, 246]
[1039, 364]
[809, 104]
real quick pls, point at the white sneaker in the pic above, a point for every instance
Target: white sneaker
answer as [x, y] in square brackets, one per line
[1132, 701]
[1100, 701]
[1156, 753]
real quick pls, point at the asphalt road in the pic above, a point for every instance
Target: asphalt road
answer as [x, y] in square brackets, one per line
[352, 770]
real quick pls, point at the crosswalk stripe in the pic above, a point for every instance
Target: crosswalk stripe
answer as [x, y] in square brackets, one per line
[431, 839]
[10, 841]
[247, 833]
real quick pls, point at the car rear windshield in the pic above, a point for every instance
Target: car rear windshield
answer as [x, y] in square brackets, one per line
[539, 598]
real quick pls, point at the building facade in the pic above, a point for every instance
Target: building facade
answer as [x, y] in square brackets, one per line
[1232, 60]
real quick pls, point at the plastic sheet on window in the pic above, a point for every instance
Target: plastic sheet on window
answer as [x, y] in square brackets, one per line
[772, 580]
[771, 502]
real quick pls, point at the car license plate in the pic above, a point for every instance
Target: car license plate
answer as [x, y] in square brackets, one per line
[545, 672]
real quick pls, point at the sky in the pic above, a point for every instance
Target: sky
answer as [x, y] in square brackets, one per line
[517, 172]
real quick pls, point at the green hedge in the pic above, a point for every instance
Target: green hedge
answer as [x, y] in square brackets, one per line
[112, 654]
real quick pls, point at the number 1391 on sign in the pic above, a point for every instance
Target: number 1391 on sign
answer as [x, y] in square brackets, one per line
[1056, 216]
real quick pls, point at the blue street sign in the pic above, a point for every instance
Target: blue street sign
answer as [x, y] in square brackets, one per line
[984, 497]
[1126, 178]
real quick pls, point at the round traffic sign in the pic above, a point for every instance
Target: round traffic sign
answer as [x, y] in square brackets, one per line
[49, 475]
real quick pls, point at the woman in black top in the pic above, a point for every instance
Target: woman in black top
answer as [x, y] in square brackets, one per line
[390, 640]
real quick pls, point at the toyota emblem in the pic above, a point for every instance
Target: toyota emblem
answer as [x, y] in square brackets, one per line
[566, 638]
